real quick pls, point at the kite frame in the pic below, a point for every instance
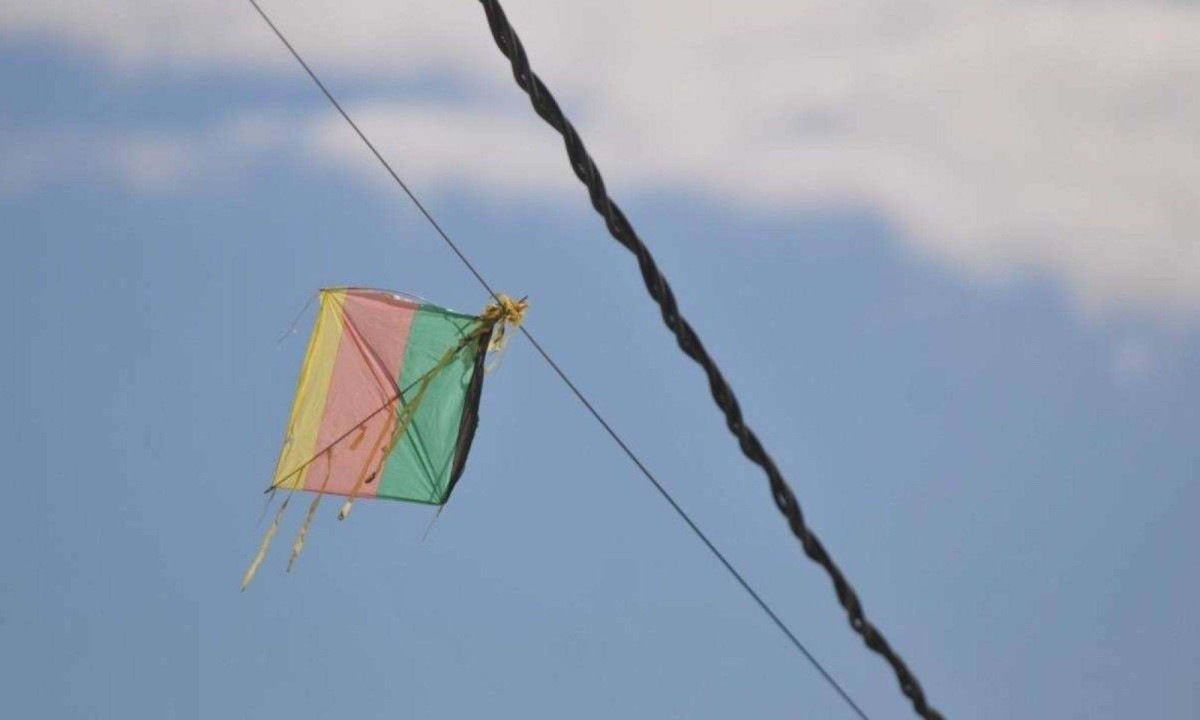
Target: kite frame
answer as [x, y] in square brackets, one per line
[468, 422]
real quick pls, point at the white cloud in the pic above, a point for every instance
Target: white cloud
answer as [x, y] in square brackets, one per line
[143, 160]
[444, 144]
[146, 161]
[1057, 136]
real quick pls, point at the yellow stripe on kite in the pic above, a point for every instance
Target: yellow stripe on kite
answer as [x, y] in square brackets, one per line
[309, 407]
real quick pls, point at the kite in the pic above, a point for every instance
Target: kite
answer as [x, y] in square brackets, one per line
[387, 403]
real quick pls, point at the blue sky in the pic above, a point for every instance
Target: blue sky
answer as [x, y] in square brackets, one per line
[997, 444]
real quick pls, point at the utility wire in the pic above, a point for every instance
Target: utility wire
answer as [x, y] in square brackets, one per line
[762, 604]
[656, 284]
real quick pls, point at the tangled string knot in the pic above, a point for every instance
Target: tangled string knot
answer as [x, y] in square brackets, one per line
[501, 315]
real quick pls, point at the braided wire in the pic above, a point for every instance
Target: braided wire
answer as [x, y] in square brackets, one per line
[656, 284]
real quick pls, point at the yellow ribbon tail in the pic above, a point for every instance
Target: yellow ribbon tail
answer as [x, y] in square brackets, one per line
[298, 545]
[344, 511]
[264, 545]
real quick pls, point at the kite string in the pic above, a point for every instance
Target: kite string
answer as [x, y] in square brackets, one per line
[562, 375]
[296, 321]
[432, 520]
[270, 495]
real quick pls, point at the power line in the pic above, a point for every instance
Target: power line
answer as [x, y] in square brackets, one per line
[762, 604]
[660, 291]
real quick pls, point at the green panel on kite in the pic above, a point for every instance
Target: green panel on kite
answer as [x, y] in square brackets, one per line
[422, 466]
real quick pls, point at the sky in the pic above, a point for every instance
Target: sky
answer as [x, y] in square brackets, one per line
[944, 252]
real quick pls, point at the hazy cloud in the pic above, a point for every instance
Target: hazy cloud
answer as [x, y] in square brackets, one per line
[1000, 136]
[143, 161]
[140, 159]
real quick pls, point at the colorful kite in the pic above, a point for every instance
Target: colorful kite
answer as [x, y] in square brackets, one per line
[387, 402]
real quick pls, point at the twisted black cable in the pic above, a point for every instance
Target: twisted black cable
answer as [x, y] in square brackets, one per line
[587, 172]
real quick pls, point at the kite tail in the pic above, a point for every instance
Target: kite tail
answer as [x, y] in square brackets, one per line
[298, 545]
[266, 543]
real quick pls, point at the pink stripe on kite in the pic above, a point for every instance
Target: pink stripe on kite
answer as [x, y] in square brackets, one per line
[369, 362]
